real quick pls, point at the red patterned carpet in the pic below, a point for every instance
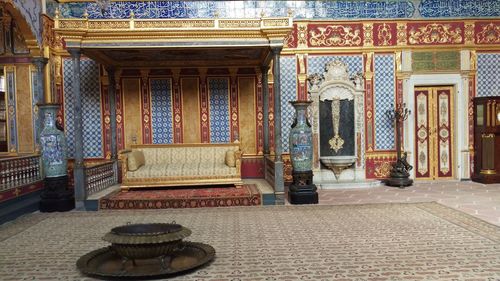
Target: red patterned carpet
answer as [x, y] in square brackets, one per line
[248, 195]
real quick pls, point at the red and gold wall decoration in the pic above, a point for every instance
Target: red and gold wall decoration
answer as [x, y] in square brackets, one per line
[335, 35]
[378, 166]
[291, 40]
[384, 34]
[424, 33]
[487, 32]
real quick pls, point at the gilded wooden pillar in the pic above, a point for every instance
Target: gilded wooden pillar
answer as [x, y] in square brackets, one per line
[112, 110]
[38, 96]
[78, 167]
[278, 149]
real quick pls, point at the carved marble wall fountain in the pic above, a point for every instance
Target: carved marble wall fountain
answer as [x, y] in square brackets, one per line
[338, 126]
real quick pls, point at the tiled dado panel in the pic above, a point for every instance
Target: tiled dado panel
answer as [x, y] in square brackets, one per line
[488, 74]
[288, 79]
[317, 63]
[161, 110]
[218, 94]
[384, 96]
[91, 108]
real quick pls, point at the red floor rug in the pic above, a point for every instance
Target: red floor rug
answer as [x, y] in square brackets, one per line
[247, 195]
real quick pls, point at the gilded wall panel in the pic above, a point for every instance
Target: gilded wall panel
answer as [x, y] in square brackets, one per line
[487, 32]
[246, 90]
[24, 115]
[190, 110]
[132, 114]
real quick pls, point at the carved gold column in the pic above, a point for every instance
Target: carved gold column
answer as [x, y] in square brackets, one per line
[260, 111]
[302, 77]
[233, 105]
[204, 107]
[271, 110]
[147, 132]
[369, 100]
[177, 105]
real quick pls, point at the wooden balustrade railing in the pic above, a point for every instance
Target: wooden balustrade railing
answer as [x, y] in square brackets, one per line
[101, 176]
[19, 170]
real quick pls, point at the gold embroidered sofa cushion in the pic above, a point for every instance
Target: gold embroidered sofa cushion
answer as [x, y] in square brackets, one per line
[230, 159]
[181, 164]
[135, 160]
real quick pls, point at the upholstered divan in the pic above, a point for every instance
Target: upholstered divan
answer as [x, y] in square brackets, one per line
[157, 165]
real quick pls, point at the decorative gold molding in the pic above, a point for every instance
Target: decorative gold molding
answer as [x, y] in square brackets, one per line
[469, 32]
[368, 34]
[380, 154]
[302, 37]
[401, 34]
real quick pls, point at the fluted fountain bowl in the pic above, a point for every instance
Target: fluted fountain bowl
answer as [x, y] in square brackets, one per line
[145, 241]
[337, 163]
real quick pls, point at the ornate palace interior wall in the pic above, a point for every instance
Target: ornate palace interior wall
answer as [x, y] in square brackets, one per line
[387, 42]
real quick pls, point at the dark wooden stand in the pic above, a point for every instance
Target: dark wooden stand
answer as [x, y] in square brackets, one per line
[56, 197]
[486, 140]
[302, 190]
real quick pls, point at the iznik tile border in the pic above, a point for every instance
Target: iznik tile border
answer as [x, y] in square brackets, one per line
[288, 65]
[161, 110]
[346, 9]
[488, 73]
[91, 108]
[335, 9]
[459, 8]
[218, 91]
[384, 96]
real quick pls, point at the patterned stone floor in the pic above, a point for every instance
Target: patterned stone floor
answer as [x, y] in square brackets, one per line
[416, 241]
[479, 200]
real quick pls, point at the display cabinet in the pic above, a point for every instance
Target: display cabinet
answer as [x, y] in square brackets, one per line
[486, 140]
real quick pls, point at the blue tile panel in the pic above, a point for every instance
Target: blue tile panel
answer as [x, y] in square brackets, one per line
[384, 92]
[488, 74]
[36, 97]
[218, 91]
[316, 64]
[338, 9]
[161, 110]
[91, 108]
[12, 110]
[288, 65]
[459, 8]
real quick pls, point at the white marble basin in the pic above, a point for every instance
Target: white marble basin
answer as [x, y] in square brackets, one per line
[337, 160]
[338, 163]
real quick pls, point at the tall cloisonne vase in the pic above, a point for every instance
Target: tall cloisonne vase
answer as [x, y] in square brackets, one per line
[56, 196]
[302, 190]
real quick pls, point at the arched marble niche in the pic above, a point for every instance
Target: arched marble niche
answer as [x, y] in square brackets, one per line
[338, 124]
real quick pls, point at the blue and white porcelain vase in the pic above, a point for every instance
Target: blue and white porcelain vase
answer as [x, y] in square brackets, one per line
[53, 143]
[301, 145]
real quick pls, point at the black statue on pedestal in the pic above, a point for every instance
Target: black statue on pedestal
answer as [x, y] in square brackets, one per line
[399, 174]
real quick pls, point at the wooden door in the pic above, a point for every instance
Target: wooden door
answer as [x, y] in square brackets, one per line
[434, 132]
